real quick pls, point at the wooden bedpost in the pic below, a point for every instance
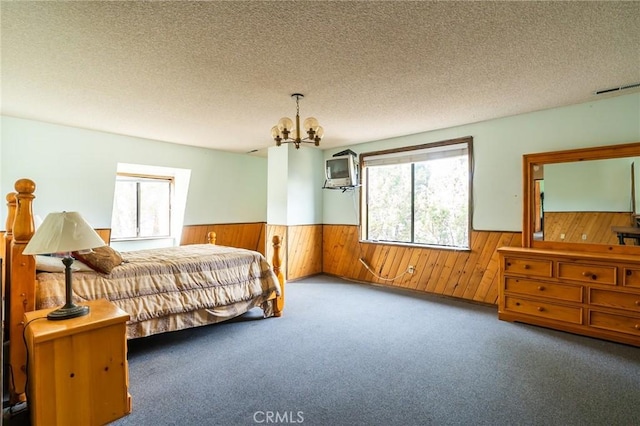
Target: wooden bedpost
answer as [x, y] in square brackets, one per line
[278, 305]
[22, 292]
[211, 237]
[6, 255]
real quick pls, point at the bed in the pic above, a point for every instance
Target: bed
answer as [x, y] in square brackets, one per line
[162, 290]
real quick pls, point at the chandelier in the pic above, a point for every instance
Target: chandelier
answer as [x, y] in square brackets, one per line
[285, 132]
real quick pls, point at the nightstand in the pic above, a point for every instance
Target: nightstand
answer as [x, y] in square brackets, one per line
[77, 368]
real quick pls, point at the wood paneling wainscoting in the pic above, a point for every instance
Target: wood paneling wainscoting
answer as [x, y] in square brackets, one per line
[105, 234]
[471, 275]
[308, 250]
[301, 249]
[250, 236]
[304, 251]
[569, 227]
[301, 245]
[335, 249]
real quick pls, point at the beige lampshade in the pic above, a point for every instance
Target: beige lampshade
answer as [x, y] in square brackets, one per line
[63, 232]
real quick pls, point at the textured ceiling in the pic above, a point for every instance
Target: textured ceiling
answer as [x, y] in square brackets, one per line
[220, 74]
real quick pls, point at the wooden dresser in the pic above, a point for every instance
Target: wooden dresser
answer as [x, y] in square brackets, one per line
[593, 294]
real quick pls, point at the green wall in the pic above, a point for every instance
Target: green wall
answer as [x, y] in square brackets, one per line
[74, 170]
[498, 147]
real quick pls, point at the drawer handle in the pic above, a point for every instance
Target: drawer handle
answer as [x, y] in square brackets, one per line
[541, 288]
[629, 272]
[637, 302]
[637, 327]
[540, 309]
[590, 275]
[526, 267]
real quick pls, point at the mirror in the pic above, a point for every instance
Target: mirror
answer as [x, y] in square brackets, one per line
[583, 199]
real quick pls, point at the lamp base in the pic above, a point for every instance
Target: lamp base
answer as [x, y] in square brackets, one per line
[67, 312]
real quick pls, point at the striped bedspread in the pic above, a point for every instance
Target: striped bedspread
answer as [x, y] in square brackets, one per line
[156, 283]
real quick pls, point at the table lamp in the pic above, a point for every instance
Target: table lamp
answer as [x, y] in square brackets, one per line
[64, 232]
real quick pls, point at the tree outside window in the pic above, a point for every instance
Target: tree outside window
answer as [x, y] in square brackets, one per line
[419, 195]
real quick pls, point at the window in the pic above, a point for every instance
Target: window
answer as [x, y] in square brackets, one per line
[141, 207]
[419, 195]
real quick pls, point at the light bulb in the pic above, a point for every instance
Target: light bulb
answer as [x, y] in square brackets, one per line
[311, 124]
[285, 123]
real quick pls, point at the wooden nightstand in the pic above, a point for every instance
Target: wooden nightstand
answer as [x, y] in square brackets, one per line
[77, 368]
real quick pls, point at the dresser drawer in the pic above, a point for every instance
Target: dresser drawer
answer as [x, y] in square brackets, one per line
[620, 323]
[631, 277]
[544, 309]
[531, 267]
[614, 299]
[600, 274]
[569, 293]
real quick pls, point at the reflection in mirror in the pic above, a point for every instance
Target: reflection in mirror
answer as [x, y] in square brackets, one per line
[583, 199]
[583, 202]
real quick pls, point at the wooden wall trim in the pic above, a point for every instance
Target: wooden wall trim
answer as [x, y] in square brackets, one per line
[336, 250]
[301, 245]
[304, 251]
[244, 235]
[596, 226]
[105, 234]
[471, 275]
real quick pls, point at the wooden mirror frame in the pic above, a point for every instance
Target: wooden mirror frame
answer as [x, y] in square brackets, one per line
[566, 156]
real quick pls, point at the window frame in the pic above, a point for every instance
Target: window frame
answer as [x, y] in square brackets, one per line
[407, 150]
[138, 177]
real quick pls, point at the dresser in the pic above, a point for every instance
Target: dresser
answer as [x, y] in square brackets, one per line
[77, 368]
[592, 294]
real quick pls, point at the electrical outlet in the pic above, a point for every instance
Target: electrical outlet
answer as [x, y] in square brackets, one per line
[584, 236]
[562, 236]
[411, 269]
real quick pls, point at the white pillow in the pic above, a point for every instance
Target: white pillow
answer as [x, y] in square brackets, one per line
[54, 264]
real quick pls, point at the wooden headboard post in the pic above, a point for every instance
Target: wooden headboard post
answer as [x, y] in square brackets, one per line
[22, 291]
[6, 255]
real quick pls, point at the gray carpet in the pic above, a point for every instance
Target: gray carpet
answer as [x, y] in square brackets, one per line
[352, 354]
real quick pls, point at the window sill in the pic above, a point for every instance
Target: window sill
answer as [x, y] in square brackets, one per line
[417, 246]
